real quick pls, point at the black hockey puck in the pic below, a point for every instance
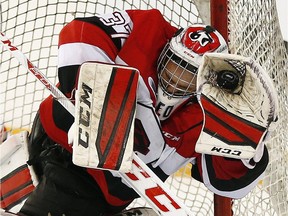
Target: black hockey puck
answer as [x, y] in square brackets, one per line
[227, 80]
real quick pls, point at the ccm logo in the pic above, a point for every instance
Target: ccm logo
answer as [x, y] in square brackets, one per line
[226, 151]
[84, 115]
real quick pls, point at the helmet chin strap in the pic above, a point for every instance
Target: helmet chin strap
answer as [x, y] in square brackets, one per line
[166, 104]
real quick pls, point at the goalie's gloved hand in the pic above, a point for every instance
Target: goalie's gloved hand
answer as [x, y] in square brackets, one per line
[239, 89]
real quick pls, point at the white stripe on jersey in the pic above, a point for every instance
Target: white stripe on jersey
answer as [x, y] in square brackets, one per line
[77, 53]
[170, 161]
[120, 35]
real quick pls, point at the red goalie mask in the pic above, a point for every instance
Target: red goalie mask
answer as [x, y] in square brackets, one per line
[201, 40]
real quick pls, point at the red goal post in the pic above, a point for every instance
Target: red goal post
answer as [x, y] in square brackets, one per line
[219, 20]
[251, 28]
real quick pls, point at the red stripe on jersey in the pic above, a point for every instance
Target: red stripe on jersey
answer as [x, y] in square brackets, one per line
[182, 129]
[99, 177]
[229, 127]
[83, 32]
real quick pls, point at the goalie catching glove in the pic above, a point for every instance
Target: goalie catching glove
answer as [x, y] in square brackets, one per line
[239, 104]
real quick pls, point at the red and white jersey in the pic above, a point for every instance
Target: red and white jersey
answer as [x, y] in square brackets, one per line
[136, 38]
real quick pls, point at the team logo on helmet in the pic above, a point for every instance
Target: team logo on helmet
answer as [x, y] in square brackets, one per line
[201, 40]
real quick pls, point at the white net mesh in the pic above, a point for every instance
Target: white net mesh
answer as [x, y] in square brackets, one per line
[255, 31]
[34, 26]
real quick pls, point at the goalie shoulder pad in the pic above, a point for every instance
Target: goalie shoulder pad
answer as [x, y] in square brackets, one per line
[239, 104]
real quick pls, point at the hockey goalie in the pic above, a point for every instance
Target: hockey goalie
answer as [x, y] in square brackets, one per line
[194, 103]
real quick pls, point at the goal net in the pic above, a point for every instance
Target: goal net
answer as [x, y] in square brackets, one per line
[252, 30]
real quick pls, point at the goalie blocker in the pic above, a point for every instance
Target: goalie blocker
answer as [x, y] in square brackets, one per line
[104, 116]
[239, 104]
[103, 132]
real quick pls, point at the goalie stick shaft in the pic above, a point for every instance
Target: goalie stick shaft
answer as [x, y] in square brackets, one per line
[142, 179]
[29, 66]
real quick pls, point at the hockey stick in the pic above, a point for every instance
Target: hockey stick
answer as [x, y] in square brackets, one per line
[57, 94]
[142, 179]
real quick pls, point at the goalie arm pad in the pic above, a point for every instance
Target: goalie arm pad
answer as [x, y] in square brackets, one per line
[239, 105]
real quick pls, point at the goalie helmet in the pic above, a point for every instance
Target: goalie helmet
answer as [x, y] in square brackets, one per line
[179, 62]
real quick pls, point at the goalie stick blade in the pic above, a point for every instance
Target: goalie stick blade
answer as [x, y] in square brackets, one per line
[105, 111]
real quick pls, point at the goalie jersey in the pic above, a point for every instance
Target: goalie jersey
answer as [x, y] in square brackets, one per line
[136, 38]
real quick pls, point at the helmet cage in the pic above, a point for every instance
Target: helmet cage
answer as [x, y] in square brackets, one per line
[178, 87]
